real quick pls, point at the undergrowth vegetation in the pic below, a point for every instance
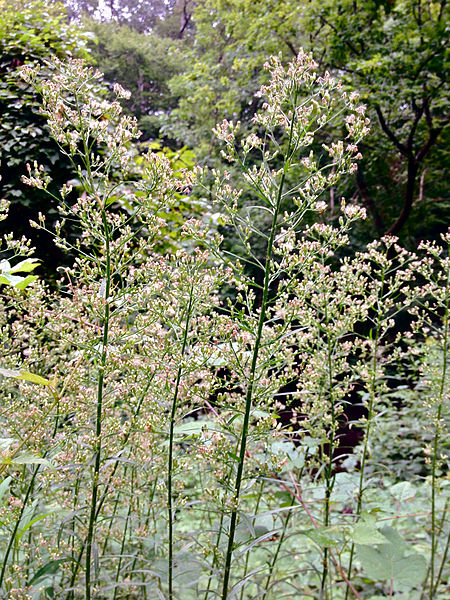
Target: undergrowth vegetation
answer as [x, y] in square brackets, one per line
[173, 426]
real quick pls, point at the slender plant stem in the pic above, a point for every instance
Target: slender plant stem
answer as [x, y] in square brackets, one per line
[370, 407]
[122, 547]
[248, 554]
[251, 382]
[329, 469]
[16, 526]
[173, 411]
[99, 411]
[436, 440]
[277, 551]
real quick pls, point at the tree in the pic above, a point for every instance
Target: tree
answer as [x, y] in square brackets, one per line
[141, 63]
[225, 62]
[140, 15]
[393, 50]
[31, 32]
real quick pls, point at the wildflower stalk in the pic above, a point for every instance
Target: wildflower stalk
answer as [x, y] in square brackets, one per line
[170, 509]
[254, 364]
[122, 546]
[219, 536]
[280, 542]
[369, 419]
[329, 483]
[436, 440]
[16, 526]
[30, 487]
[258, 501]
[99, 411]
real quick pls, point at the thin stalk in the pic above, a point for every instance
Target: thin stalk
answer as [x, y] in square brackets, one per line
[443, 563]
[277, 551]
[16, 526]
[170, 508]
[436, 440]
[261, 489]
[249, 395]
[99, 411]
[444, 556]
[29, 491]
[122, 548]
[329, 470]
[214, 560]
[368, 426]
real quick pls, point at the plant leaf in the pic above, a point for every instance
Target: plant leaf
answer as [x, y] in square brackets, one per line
[392, 560]
[366, 534]
[25, 266]
[49, 569]
[24, 375]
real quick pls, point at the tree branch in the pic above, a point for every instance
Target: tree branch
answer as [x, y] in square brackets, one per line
[368, 201]
[384, 126]
[291, 47]
[407, 198]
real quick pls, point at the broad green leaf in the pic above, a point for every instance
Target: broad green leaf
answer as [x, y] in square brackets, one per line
[392, 560]
[402, 491]
[21, 285]
[25, 266]
[365, 533]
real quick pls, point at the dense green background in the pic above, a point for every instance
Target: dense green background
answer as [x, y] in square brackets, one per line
[191, 63]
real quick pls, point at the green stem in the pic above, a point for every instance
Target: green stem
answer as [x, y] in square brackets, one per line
[122, 547]
[219, 536]
[170, 508]
[16, 526]
[277, 551]
[434, 585]
[247, 558]
[98, 418]
[329, 470]
[251, 383]
[368, 425]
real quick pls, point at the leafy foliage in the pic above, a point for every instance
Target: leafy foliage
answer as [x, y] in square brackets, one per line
[31, 32]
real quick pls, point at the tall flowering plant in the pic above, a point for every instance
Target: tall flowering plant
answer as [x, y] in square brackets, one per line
[181, 443]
